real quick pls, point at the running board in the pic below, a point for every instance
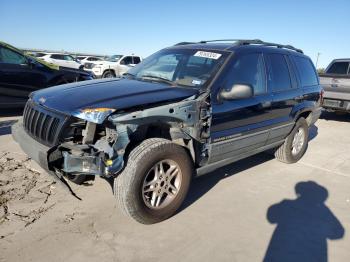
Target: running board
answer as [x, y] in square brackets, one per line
[212, 167]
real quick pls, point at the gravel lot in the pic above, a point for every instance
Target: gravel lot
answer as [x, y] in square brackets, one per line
[243, 212]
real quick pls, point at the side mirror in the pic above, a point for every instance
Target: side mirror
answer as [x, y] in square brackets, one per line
[237, 91]
[122, 62]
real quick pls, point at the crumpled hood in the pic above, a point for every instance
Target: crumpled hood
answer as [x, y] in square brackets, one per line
[117, 93]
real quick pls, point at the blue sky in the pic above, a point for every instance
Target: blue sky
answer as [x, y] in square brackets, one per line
[143, 27]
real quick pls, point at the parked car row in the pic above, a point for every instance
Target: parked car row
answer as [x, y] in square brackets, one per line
[113, 66]
[184, 111]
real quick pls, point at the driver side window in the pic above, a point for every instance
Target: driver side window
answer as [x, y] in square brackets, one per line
[248, 69]
[126, 61]
[10, 57]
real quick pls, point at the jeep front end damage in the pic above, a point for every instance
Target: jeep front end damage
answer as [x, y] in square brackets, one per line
[102, 146]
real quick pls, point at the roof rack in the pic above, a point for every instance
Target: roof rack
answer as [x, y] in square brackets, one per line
[246, 42]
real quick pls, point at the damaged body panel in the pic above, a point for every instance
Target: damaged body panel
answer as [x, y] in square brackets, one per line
[183, 120]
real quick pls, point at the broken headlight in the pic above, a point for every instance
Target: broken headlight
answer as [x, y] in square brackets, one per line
[95, 115]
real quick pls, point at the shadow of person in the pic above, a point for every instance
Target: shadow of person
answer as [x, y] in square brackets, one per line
[303, 226]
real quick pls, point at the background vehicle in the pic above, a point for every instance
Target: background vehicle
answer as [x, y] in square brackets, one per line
[336, 84]
[151, 130]
[21, 74]
[114, 66]
[86, 59]
[63, 60]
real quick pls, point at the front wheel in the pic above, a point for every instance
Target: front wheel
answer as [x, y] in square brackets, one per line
[295, 145]
[154, 182]
[108, 74]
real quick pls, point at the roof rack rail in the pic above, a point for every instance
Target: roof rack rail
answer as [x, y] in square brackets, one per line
[185, 43]
[246, 42]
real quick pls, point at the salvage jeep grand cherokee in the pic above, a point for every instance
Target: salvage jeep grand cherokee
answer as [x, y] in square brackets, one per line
[184, 111]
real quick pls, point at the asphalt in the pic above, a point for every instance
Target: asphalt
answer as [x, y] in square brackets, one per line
[254, 209]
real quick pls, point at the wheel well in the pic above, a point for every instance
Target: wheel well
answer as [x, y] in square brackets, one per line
[111, 70]
[159, 130]
[307, 115]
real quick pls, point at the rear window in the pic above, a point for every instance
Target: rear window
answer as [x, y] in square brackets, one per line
[340, 68]
[306, 71]
[278, 75]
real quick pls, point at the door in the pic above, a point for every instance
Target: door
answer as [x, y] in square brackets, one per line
[124, 65]
[286, 95]
[241, 126]
[18, 78]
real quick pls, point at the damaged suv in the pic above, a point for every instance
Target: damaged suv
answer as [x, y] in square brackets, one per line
[184, 111]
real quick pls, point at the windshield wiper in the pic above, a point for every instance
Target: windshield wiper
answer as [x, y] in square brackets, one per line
[160, 79]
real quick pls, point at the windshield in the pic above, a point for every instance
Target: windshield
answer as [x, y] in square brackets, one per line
[114, 58]
[190, 68]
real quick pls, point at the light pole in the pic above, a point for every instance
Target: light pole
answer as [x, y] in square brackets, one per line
[318, 55]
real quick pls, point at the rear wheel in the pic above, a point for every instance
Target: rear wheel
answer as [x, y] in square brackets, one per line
[295, 145]
[154, 182]
[108, 74]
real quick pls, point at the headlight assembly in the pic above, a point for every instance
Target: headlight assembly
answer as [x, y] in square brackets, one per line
[95, 115]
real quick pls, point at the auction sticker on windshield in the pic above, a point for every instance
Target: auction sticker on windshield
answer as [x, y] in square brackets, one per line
[210, 55]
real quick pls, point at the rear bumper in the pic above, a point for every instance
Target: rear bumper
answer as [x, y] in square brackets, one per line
[336, 104]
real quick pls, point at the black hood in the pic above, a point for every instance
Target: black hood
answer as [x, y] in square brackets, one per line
[117, 93]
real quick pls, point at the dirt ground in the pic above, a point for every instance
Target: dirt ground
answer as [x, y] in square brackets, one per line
[243, 212]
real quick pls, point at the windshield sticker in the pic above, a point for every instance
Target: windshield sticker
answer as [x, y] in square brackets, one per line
[196, 82]
[209, 55]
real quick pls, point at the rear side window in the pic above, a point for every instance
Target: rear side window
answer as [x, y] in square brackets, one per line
[278, 73]
[340, 68]
[306, 71]
[58, 57]
[137, 60]
[248, 69]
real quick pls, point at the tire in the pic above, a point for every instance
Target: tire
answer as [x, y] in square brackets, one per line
[129, 186]
[108, 74]
[79, 180]
[287, 153]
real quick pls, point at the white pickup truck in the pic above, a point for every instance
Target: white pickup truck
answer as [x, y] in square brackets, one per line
[114, 66]
[336, 84]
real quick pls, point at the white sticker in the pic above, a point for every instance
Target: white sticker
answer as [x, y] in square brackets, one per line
[196, 82]
[210, 55]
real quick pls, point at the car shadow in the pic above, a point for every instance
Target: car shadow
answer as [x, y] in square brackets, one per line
[201, 185]
[303, 226]
[313, 132]
[335, 116]
[5, 126]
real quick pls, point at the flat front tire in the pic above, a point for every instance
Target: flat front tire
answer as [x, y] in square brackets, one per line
[295, 145]
[154, 182]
